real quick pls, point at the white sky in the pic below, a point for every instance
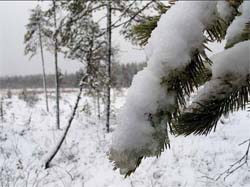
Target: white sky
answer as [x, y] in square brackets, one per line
[13, 18]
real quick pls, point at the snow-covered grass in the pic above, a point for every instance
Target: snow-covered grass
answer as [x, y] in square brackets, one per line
[28, 134]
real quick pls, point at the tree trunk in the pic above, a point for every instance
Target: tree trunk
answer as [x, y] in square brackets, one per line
[56, 70]
[98, 106]
[1, 109]
[57, 148]
[108, 64]
[44, 74]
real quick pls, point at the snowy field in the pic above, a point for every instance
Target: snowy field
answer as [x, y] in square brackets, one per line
[28, 134]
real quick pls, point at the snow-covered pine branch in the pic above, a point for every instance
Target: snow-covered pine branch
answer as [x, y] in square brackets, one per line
[227, 91]
[152, 100]
[239, 30]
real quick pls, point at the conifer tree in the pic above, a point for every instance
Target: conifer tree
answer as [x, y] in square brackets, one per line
[43, 31]
[36, 37]
[84, 41]
[55, 48]
[129, 11]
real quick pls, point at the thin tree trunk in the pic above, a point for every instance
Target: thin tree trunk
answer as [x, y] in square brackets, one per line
[56, 70]
[98, 106]
[108, 64]
[57, 148]
[1, 109]
[44, 74]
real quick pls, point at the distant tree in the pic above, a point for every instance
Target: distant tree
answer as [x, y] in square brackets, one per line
[37, 35]
[55, 48]
[122, 74]
[130, 11]
[53, 10]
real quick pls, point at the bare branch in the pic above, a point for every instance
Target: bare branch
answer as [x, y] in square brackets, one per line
[238, 164]
[134, 16]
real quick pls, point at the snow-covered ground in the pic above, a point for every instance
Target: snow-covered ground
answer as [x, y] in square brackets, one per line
[28, 134]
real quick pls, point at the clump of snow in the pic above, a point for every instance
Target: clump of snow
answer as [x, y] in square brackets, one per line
[178, 34]
[235, 60]
[229, 70]
[239, 24]
[224, 10]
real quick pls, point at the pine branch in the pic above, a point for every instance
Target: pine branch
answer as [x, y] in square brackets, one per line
[185, 82]
[202, 117]
[244, 36]
[140, 33]
[235, 4]
[217, 31]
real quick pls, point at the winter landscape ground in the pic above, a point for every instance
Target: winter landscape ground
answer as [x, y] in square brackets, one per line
[28, 135]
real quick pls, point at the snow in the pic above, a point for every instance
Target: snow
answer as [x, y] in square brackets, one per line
[169, 49]
[229, 71]
[179, 32]
[225, 11]
[239, 23]
[235, 60]
[83, 161]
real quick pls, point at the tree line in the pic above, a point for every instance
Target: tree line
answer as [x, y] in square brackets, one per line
[122, 75]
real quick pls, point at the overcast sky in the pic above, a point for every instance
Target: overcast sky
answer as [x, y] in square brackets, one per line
[13, 18]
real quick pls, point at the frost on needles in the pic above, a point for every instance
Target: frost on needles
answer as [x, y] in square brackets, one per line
[176, 65]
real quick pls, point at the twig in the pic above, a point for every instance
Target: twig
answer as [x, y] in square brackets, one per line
[134, 16]
[238, 164]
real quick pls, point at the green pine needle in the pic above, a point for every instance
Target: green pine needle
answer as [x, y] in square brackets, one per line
[203, 119]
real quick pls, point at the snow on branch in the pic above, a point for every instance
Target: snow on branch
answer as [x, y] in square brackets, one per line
[227, 91]
[238, 29]
[150, 105]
